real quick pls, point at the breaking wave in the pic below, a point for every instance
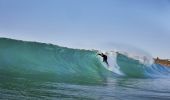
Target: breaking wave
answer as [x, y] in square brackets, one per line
[51, 62]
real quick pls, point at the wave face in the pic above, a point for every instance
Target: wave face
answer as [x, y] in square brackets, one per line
[50, 62]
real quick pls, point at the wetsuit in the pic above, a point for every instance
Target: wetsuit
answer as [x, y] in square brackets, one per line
[104, 58]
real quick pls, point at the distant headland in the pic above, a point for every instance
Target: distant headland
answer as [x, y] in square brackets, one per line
[165, 62]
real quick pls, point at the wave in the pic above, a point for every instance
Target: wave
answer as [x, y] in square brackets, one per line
[51, 62]
[143, 68]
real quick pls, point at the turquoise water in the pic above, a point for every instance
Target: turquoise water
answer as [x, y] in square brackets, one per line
[33, 71]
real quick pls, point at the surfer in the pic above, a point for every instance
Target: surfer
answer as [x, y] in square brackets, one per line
[104, 58]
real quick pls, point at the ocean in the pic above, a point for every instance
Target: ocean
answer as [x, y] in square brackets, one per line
[40, 71]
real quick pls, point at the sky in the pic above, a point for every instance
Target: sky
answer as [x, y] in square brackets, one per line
[143, 24]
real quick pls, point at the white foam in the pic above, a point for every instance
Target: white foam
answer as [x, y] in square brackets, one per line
[113, 63]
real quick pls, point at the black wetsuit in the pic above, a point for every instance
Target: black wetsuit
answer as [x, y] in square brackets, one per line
[104, 58]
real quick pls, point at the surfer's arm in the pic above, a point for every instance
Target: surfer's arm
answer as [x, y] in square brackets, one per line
[99, 54]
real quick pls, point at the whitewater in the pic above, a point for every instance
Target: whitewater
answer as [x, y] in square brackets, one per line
[33, 70]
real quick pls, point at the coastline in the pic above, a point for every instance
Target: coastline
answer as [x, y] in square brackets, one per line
[165, 62]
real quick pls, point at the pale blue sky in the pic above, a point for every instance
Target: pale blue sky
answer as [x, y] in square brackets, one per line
[88, 23]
